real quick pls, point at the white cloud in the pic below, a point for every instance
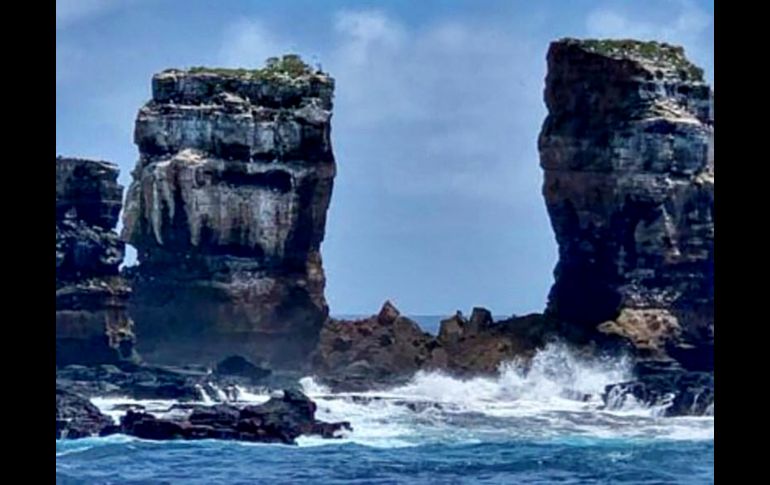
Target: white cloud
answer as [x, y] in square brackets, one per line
[248, 43]
[367, 30]
[442, 103]
[68, 12]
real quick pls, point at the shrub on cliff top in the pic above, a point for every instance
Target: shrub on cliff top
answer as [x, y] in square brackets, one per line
[656, 52]
[289, 65]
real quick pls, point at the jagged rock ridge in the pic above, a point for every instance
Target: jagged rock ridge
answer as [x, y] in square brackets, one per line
[227, 210]
[92, 324]
[388, 348]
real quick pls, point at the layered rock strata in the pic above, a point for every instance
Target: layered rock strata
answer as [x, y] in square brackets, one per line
[627, 152]
[92, 324]
[227, 210]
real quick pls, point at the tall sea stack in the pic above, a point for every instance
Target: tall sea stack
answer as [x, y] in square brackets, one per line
[92, 324]
[627, 151]
[227, 211]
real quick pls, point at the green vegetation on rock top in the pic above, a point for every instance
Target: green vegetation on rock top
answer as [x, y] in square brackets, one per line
[660, 53]
[289, 65]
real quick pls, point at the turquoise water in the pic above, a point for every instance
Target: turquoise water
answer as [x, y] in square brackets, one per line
[520, 427]
[116, 460]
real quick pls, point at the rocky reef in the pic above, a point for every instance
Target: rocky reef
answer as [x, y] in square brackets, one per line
[227, 211]
[387, 349]
[627, 153]
[92, 323]
[281, 419]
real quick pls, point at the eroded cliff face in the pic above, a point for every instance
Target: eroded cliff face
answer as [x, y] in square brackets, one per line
[627, 151]
[92, 324]
[227, 210]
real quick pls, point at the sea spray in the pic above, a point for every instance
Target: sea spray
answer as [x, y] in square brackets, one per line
[557, 394]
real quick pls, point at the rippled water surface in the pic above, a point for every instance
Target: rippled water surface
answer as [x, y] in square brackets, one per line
[547, 425]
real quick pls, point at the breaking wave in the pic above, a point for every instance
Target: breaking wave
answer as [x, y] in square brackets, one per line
[539, 424]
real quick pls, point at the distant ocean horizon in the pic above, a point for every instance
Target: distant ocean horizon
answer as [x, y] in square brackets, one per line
[429, 323]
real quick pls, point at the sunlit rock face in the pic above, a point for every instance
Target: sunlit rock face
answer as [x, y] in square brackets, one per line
[627, 152]
[92, 323]
[227, 211]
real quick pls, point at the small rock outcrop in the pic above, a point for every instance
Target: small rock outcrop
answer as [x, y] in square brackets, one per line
[92, 323]
[627, 152]
[238, 367]
[478, 345]
[384, 349]
[138, 381]
[76, 417]
[227, 211]
[388, 349]
[279, 420]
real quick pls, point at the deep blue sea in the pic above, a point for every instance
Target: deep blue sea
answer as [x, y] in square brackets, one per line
[522, 427]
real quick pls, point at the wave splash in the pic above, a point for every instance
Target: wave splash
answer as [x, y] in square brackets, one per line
[556, 396]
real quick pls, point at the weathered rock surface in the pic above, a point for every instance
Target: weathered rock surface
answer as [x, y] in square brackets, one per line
[385, 349]
[92, 324]
[137, 381]
[388, 349]
[478, 345]
[280, 420]
[666, 384]
[627, 151]
[227, 210]
[76, 417]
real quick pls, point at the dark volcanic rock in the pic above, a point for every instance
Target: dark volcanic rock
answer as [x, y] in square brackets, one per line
[136, 381]
[239, 366]
[627, 151]
[227, 210]
[76, 417]
[280, 420]
[666, 384]
[92, 325]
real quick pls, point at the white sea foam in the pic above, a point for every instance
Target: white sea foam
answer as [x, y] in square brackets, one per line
[558, 395]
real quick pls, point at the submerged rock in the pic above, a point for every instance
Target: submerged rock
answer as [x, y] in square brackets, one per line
[279, 420]
[92, 323]
[479, 345]
[227, 210]
[627, 152]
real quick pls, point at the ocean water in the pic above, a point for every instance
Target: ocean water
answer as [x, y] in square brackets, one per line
[545, 425]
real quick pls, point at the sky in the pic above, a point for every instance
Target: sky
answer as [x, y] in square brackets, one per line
[437, 202]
